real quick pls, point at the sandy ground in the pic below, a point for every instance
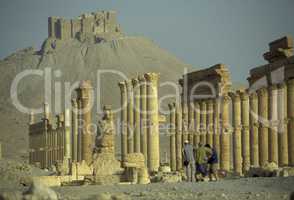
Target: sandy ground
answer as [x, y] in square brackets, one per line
[244, 188]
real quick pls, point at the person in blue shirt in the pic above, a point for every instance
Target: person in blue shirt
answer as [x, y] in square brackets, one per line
[212, 163]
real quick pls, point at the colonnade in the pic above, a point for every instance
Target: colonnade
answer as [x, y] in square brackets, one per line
[139, 118]
[247, 128]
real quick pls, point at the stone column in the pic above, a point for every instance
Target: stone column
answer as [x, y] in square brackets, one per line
[130, 116]
[32, 118]
[216, 135]
[225, 156]
[254, 126]
[80, 130]
[209, 116]
[245, 130]
[137, 134]
[197, 123]
[273, 117]
[0, 150]
[237, 147]
[123, 119]
[153, 123]
[191, 123]
[283, 121]
[203, 122]
[179, 136]
[74, 118]
[290, 100]
[172, 144]
[67, 138]
[185, 122]
[263, 125]
[143, 104]
[44, 139]
[84, 93]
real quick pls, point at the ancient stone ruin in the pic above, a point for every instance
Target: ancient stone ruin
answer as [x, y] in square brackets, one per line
[250, 128]
[100, 25]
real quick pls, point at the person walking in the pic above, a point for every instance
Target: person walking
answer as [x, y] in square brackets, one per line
[189, 161]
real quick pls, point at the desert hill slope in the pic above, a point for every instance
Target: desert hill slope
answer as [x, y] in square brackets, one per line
[76, 61]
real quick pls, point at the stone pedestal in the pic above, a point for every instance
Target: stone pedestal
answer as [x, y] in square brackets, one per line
[273, 131]
[123, 119]
[130, 116]
[237, 150]
[153, 123]
[245, 130]
[225, 156]
[172, 124]
[197, 123]
[137, 138]
[209, 136]
[203, 122]
[283, 122]
[143, 104]
[290, 100]
[74, 118]
[263, 125]
[84, 93]
[179, 136]
[254, 126]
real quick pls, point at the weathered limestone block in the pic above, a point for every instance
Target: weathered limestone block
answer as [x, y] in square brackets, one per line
[254, 126]
[123, 120]
[135, 160]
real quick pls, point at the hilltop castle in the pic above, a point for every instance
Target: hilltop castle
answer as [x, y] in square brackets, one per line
[97, 25]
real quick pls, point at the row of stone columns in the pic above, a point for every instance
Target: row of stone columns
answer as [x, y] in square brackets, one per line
[262, 127]
[139, 118]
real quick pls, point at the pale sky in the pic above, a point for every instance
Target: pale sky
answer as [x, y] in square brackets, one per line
[200, 32]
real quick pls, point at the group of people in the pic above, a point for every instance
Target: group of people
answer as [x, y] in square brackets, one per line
[200, 162]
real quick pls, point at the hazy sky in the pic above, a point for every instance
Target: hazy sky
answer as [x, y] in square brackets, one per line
[201, 33]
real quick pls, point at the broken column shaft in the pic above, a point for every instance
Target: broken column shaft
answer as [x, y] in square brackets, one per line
[172, 123]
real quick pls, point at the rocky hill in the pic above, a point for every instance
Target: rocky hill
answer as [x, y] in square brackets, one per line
[70, 61]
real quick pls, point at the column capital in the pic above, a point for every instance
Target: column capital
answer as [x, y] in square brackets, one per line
[74, 103]
[262, 92]
[209, 102]
[135, 82]
[122, 86]
[235, 96]
[272, 87]
[129, 84]
[243, 94]
[141, 78]
[151, 77]
[253, 94]
[172, 106]
[226, 98]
